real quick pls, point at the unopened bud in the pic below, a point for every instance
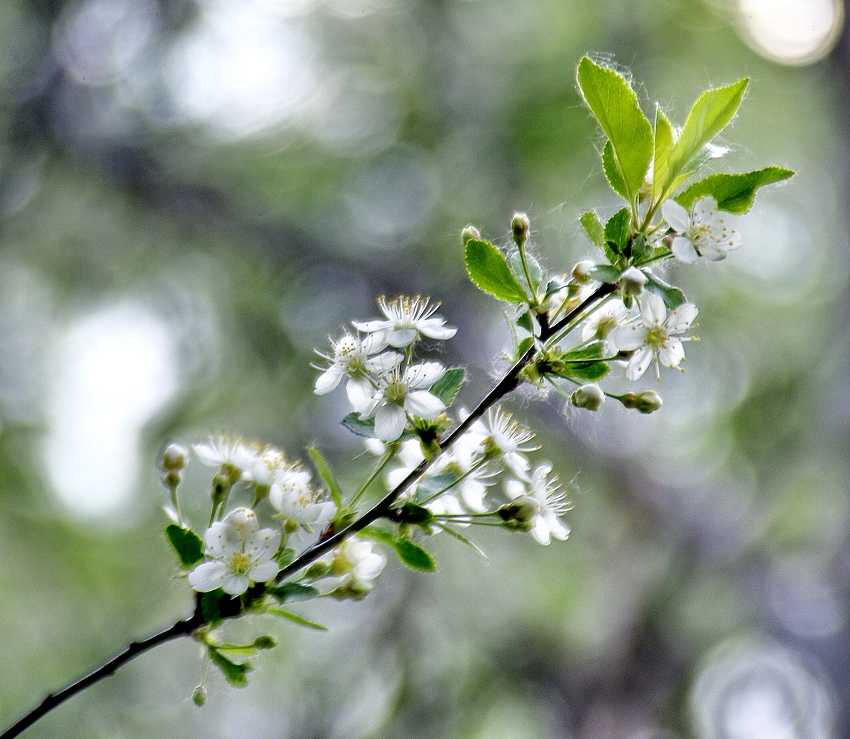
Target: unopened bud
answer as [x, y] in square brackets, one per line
[520, 226]
[588, 396]
[581, 272]
[632, 282]
[265, 642]
[470, 233]
[174, 458]
[353, 590]
[318, 570]
[646, 402]
[199, 696]
[518, 513]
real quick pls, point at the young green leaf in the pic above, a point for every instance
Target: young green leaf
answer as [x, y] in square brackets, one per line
[712, 112]
[235, 673]
[662, 149]
[611, 168]
[534, 270]
[290, 592]
[325, 473]
[617, 233]
[615, 106]
[673, 297]
[734, 193]
[295, 618]
[446, 388]
[188, 545]
[414, 556]
[593, 227]
[594, 350]
[582, 372]
[237, 650]
[489, 270]
[357, 425]
[525, 321]
[605, 273]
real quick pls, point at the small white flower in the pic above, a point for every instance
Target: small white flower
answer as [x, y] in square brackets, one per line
[656, 336]
[266, 466]
[355, 558]
[632, 281]
[400, 393]
[294, 497]
[505, 438]
[603, 323]
[241, 553]
[543, 503]
[352, 357]
[406, 318]
[702, 232]
[223, 450]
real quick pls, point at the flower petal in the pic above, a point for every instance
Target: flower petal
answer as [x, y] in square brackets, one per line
[390, 420]
[638, 363]
[681, 318]
[652, 310]
[359, 391]
[676, 216]
[328, 380]
[424, 404]
[683, 249]
[671, 354]
[208, 576]
[235, 584]
[264, 571]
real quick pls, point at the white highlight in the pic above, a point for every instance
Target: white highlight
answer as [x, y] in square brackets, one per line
[791, 31]
[116, 368]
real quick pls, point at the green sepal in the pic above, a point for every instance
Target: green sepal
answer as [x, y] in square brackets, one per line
[673, 297]
[734, 193]
[295, 618]
[592, 225]
[534, 269]
[188, 545]
[663, 142]
[290, 592]
[524, 346]
[605, 273]
[234, 672]
[446, 388]
[710, 114]
[489, 271]
[615, 105]
[237, 650]
[325, 473]
[617, 234]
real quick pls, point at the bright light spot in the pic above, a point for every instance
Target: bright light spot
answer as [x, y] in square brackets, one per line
[241, 70]
[791, 31]
[117, 368]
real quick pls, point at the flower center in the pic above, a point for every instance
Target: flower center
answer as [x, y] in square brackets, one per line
[240, 563]
[657, 337]
[395, 391]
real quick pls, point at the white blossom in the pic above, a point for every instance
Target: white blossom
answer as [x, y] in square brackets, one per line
[355, 558]
[224, 450]
[656, 336]
[407, 318]
[241, 553]
[353, 358]
[702, 232]
[292, 495]
[505, 438]
[603, 323]
[542, 503]
[400, 393]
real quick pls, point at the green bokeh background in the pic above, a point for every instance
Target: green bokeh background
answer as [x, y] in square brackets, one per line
[235, 181]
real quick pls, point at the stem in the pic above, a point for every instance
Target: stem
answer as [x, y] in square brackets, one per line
[388, 455]
[180, 628]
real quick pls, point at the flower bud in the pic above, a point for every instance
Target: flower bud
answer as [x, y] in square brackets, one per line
[518, 513]
[581, 272]
[632, 282]
[174, 458]
[588, 396]
[470, 233]
[520, 226]
[353, 590]
[199, 696]
[318, 570]
[646, 402]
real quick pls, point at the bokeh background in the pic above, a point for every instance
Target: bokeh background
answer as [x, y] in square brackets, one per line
[194, 193]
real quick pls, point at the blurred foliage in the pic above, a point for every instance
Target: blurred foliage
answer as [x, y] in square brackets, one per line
[244, 178]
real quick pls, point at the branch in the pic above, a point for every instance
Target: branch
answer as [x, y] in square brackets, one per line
[180, 628]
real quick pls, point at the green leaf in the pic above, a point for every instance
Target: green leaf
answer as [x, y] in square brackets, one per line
[325, 473]
[534, 269]
[612, 172]
[211, 606]
[285, 556]
[290, 592]
[615, 106]
[593, 227]
[594, 350]
[734, 193]
[712, 112]
[357, 425]
[673, 297]
[524, 346]
[447, 386]
[617, 233]
[639, 247]
[295, 618]
[379, 535]
[489, 270]
[524, 321]
[605, 273]
[663, 143]
[237, 650]
[414, 556]
[586, 371]
[235, 673]
[188, 545]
